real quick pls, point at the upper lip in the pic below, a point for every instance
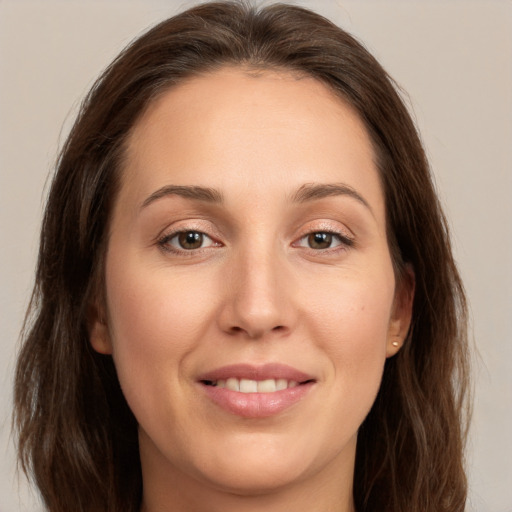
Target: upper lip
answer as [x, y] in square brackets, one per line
[256, 372]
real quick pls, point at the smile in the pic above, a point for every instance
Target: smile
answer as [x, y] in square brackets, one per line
[253, 386]
[256, 391]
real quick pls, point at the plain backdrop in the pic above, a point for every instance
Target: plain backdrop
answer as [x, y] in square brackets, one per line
[453, 57]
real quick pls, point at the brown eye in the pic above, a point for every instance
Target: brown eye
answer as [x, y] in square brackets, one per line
[186, 241]
[190, 240]
[320, 240]
[325, 241]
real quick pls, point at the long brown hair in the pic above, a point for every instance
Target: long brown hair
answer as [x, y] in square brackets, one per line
[77, 436]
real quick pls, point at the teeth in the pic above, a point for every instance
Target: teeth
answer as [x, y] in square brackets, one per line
[281, 384]
[256, 386]
[267, 386]
[233, 384]
[248, 386]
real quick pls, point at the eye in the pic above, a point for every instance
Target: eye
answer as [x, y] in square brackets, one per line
[322, 240]
[186, 241]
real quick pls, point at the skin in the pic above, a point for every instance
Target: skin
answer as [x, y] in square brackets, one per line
[256, 291]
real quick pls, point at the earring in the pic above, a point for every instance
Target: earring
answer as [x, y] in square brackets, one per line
[395, 343]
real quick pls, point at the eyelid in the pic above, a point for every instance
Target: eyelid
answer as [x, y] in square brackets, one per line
[345, 236]
[326, 226]
[184, 226]
[343, 241]
[168, 238]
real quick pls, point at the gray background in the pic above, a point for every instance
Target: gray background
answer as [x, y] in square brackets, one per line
[453, 57]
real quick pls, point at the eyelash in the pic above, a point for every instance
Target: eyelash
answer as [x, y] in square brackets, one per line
[164, 242]
[344, 242]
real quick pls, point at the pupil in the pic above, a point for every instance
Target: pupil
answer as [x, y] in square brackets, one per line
[320, 240]
[190, 240]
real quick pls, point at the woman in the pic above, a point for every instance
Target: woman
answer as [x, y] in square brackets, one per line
[245, 296]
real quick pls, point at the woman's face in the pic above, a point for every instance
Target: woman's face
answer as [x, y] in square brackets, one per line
[250, 295]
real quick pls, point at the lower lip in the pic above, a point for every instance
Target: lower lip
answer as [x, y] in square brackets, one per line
[256, 405]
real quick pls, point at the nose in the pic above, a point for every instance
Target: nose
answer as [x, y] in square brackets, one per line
[259, 297]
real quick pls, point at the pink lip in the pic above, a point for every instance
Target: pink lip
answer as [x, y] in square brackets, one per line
[256, 405]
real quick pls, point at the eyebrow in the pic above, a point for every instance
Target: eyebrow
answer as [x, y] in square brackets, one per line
[206, 194]
[307, 192]
[313, 191]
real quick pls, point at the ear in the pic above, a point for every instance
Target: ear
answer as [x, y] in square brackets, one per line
[401, 316]
[99, 336]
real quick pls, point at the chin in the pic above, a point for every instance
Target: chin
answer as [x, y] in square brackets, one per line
[261, 464]
[253, 477]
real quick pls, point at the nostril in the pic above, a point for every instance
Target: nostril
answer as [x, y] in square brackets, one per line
[256, 331]
[237, 329]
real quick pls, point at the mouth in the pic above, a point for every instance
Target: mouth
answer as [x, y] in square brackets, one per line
[255, 386]
[256, 391]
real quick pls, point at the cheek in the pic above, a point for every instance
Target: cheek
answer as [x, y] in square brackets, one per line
[153, 325]
[354, 315]
[351, 327]
[152, 303]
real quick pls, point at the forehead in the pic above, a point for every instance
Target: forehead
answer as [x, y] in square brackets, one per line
[241, 130]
